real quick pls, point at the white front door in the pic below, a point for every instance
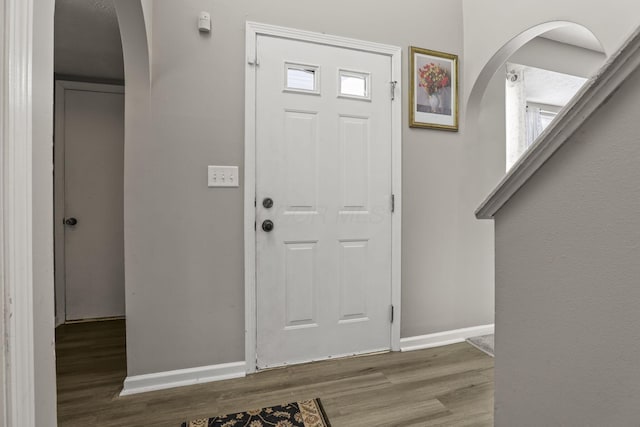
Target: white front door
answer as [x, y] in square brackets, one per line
[93, 132]
[323, 156]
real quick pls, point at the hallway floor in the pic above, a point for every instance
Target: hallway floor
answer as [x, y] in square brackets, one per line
[447, 386]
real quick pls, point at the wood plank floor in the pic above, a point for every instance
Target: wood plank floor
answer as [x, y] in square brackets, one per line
[447, 386]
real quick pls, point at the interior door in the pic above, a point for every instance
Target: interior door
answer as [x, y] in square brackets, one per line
[93, 203]
[323, 208]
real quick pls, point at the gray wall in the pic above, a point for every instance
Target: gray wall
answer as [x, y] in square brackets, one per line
[184, 251]
[43, 296]
[568, 280]
[562, 58]
[481, 165]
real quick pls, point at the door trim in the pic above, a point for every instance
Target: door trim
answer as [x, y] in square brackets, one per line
[17, 377]
[253, 30]
[61, 86]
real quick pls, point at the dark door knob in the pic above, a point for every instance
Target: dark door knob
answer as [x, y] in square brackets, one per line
[71, 221]
[267, 225]
[267, 203]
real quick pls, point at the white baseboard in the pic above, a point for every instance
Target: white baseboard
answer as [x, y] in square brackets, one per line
[443, 338]
[182, 377]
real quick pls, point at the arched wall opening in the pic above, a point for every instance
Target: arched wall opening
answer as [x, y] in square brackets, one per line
[482, 156]
[134, 19]
[500, 58]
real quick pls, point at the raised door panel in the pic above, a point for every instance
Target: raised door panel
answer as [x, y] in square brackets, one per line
[354, 146]
[300, 284]
[353, 261]
[301, 165]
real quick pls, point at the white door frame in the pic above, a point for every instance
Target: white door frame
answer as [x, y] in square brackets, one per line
[16, 256]
[253, 30]
[61, 86]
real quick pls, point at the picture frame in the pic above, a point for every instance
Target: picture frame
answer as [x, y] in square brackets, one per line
[433, 91]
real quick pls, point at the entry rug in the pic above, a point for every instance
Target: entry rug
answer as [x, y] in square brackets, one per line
[305, 413]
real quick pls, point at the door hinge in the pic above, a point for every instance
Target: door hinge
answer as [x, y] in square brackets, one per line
[393, 89]
[254, 61]
[255, 225]
[392, 313]
[393, 203]
[255, 203]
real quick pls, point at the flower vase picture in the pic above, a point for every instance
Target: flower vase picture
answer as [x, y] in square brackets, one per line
[434, 103]
[434, 89]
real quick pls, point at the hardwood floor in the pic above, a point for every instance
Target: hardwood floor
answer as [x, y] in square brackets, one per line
[447, 386]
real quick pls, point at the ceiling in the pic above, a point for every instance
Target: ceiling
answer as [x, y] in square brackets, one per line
[549, 87]
[87, 40]
[576, 36]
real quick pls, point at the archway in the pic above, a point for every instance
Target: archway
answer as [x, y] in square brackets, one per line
[482, 155]
[554, 48]
[109, 337]
[499, 59]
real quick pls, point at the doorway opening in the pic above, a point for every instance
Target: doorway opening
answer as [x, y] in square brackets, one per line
[88, 201]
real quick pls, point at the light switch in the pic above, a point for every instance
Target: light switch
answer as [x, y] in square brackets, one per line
[223, 176]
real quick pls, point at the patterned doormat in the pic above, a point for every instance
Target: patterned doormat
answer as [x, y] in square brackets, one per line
[305, 413]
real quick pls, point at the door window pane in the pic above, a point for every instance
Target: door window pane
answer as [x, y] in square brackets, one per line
[301, 77]
[354, 84]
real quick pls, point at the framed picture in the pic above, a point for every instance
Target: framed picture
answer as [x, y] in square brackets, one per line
[433, 94]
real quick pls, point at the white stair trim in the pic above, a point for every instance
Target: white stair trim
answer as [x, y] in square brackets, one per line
[182, 377]
[440, 339]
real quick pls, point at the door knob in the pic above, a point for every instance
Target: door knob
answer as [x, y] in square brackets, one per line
[71, 221]
[267, 203]
[267, 225]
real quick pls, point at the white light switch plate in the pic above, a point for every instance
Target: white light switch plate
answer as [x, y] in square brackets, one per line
[223, 176]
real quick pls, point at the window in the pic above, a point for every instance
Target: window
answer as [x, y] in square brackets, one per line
[546, 117]
[302, 78]
[538, 117]
[353, 84]
[533, 98]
